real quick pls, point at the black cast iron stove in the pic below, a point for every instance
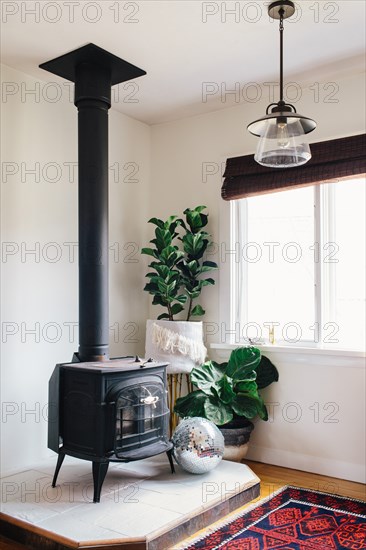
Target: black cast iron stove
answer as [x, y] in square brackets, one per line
[108, 410]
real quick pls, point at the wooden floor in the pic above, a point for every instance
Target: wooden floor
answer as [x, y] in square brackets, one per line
[272, 479]
[275, 477]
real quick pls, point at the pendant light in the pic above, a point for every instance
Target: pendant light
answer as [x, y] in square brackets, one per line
[282, 130]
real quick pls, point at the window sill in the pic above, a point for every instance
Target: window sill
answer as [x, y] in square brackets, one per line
[296, 350]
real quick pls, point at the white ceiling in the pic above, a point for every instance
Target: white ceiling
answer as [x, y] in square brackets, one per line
[180, 51]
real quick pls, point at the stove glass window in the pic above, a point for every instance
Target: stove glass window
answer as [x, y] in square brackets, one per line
[142, 416]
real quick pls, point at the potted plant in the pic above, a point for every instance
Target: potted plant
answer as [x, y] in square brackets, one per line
[228, 395]
[176, 279]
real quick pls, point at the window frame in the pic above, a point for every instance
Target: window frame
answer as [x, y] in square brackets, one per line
[233, 232]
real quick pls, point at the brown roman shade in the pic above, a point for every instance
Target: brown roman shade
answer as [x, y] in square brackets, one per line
[331, 161]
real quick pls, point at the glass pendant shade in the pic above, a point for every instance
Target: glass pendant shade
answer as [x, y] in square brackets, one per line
[281, 133]
[282, 143]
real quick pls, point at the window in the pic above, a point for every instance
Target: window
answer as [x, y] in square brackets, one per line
[297, 266]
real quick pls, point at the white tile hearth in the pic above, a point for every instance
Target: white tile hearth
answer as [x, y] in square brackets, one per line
[138, 499]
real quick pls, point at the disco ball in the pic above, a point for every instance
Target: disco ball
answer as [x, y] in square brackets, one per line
[198, 445]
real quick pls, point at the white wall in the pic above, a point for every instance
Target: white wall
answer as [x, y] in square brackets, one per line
[317, 414]
[39, 293]
[179, 153]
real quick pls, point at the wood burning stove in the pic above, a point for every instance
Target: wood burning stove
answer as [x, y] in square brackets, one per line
[111, 411]
[108, 409]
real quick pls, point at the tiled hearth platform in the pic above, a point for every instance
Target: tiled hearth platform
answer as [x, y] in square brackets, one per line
[143, 505]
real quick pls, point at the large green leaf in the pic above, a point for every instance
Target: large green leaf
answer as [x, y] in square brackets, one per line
[213, 265]
[194, 244]
[149, 252]
[170, 221]
[197, 311]
[176, 308]
[163, 238]
[162, 286]
[191, 404]
[206, 376]
[266, 373]
[193, 267]
[162, 270]
[247, 386]
[170, 255]
[208, 266]
[242, 362]
[262, 410]
[226, 393]
[197, 209]
[152, 288]
[217, 412]
[195, 219]
[150, 275]
[157, 222]
[171, 287]
[247, 405]
[173, 276]
[193, 294]
[206, 282]
[220, 366]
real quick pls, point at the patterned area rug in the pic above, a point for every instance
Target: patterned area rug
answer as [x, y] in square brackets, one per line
[293, 519]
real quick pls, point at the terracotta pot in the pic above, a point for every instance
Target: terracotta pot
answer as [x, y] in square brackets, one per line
[236, 435]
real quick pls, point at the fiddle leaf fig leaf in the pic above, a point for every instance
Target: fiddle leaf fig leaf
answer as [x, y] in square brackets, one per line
[197, 311]
[266, 373]
[163, 238]
[157, 222]
[195, 219]
[217, 412]
[149, 252]
[242, 362]
[206, 282]
[208, 266]
[182, 298]
[247, 386]
[227, 393]
[191, 404]
[206, 376]
[245, 405]
[177, 308]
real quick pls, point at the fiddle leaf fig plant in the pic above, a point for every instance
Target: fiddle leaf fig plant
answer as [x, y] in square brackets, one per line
[229, 390]
[178, 265]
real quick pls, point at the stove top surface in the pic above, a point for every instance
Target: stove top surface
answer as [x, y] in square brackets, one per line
[117, 364]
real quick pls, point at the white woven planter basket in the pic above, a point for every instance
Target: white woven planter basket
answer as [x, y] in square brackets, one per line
[179, 343]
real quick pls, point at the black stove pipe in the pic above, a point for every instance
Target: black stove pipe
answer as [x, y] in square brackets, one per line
[93, 99]
[94, 72]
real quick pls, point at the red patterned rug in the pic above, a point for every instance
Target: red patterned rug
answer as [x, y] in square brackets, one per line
[293, 519]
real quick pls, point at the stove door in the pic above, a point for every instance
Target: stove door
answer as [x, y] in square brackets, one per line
[141, 418]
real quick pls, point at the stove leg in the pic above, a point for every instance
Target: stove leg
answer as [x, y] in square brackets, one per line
[99, 473]
[170, 456]
[60, 460]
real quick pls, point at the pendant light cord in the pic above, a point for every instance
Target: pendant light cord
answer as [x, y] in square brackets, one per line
[281, 12]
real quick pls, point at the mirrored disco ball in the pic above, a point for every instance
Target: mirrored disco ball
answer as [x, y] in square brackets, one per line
[198, 445]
